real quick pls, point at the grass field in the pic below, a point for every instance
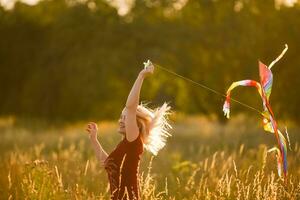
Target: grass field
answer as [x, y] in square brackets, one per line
[205, 159]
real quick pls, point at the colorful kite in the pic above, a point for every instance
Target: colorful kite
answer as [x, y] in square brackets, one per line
[264, 89]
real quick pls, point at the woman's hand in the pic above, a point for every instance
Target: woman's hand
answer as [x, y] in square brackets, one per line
[92, 130]
[148, 69]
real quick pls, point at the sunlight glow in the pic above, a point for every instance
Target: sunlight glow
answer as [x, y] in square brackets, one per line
[287, 3]
[124, 6]
[9, 4]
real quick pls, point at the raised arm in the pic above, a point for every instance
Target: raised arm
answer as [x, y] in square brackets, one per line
[92, 130]
[131, 127]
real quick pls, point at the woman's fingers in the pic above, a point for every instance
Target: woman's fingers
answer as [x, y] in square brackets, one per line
[91, 129]
[92, 125]
[88, 130]
[89, 126]
[149, 69]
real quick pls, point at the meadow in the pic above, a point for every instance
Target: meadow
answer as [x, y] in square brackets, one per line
[204, 159]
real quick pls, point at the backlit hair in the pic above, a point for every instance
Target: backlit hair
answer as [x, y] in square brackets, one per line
[154, 126]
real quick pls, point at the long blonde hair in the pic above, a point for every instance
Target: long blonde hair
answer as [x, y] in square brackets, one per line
[154, 126]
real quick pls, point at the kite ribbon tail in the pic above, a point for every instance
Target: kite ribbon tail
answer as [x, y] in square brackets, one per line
[279, 160]
[226, 106]
[284, 152]
[279, 57]
[249, 83]
[282, 148]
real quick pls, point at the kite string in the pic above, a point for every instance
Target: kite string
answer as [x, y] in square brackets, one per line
[206, 87]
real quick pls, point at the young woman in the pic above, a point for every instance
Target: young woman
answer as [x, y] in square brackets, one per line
[141, 128]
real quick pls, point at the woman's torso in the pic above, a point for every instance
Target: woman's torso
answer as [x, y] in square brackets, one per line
[122, 169]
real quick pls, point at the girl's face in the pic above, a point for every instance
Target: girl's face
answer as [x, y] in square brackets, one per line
[121, 121]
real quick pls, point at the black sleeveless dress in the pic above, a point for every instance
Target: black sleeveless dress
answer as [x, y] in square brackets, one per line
[122, 169]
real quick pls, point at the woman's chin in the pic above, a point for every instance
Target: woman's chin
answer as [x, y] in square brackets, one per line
[121, 131]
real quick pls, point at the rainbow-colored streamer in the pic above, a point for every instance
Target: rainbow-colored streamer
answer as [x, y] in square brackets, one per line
[264, 89]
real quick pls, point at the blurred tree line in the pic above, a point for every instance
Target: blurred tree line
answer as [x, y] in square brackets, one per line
[72, 60]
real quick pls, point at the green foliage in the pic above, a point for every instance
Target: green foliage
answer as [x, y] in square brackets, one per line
[65, 61]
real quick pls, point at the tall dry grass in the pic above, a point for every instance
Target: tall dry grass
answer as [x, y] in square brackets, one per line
[205, 159]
